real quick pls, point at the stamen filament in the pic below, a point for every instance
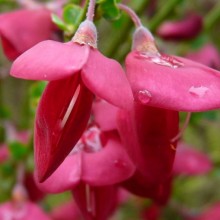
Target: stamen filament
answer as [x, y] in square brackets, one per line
[70, 107]
[188, 116]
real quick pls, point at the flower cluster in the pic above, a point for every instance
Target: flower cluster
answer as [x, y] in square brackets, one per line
[100, 128]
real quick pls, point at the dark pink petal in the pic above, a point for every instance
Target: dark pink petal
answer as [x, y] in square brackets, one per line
[188, 28]
[147, 132]
[159, 193]
[67, 211]
[190, 161]
[95, 169]
[207, 55]
[58, 126]
[22, 29]
[96, 203]
[28, 211]
[50, 60]
[213, 213]
[188, 87]
[151, 213]
[34, 193]
[105, 115]
[106, 78]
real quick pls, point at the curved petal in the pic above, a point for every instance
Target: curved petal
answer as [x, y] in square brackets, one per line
[22, 29]
[66, 177]
[191, 87]
[62, 116]
[110, 165]
[106, 78]
[50, 60]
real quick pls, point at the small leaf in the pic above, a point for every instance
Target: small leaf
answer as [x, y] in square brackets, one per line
[56, 20]
[109, 9]
[72, 14]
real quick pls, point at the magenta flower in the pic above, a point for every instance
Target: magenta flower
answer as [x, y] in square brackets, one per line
[77, 71]
[4, 153]
[22, 29]
[190, 161]
[188, 28]
[92, 169]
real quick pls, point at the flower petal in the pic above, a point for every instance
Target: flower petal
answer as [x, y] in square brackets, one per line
[50, 60]
[96, 202]
[106, 78]
[191, 87]
[56, 132]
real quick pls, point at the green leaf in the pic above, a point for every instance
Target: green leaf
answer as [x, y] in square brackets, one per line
[109, 9]
[18, 150]
[56, 20]
[72, 14]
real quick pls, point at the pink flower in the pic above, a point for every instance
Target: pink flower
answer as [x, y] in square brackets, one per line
[4, 153]
[188, 28]
[92, 171]
[170, 82]
[27, 211]
[77, 71]
[92, 162]
[212, 213]
[22, 29]
[207, 55]
[190, 161]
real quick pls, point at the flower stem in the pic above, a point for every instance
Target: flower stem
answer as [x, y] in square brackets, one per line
[132, 14]
[125, 30]
[91, 10]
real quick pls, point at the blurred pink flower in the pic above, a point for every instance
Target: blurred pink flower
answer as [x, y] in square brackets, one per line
[26, 211]
[190, 161]
[207, 55]
[212, 213]
[22, 29]
[188, 28]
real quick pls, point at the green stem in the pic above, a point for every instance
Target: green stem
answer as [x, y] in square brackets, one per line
[212, 17]
[125, 30]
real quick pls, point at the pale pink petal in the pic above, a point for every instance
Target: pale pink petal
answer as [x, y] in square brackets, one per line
[50, 60]
[106, 78]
